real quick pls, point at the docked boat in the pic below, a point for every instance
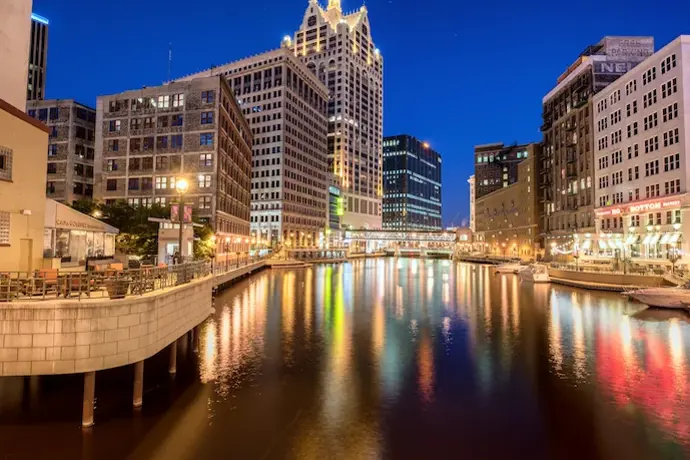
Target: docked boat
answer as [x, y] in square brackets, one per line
[509, 267]
[535, 273]
[663, 297]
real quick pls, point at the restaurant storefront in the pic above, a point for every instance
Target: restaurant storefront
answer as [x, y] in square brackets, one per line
[73, 237]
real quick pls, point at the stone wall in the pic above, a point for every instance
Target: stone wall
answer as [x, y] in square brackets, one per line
[71, 336]
[608, 278]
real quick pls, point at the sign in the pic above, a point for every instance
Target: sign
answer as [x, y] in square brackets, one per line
[175, 213]
[612, 67]
[653, 206]
[629, 48]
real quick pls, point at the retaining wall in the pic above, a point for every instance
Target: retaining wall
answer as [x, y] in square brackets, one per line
[609, 278]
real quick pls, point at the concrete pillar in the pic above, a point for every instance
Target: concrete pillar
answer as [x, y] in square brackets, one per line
[172, 367]
[89, 393]
[138, 398]
[195, 339]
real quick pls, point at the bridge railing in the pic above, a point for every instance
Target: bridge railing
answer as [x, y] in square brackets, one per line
[41, 285]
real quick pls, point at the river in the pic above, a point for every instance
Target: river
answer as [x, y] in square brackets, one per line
[391, 359]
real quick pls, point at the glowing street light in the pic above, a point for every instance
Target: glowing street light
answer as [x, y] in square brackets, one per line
[181, 186]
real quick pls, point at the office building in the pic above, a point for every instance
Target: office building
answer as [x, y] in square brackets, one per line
[70, 147]
[472, 202]
[38, 58]
[507, 219]
[285, 106]
[15, 32]
[641, 160]
[338, 48]
[496, 166]
[411, 184]
[567, 165]
[148, 139]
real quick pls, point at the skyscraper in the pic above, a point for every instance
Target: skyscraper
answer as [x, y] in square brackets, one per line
[337, 47]
[15, 24]
[38, 57]
[285, 106]
[411, 184]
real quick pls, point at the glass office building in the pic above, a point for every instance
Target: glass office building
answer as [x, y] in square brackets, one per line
[411, 184]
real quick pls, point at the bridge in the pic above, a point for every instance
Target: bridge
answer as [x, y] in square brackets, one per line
[395, 242]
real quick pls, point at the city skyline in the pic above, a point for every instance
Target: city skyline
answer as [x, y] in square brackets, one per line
[499, 112]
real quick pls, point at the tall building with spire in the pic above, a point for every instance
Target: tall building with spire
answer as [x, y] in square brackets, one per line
[337, 47]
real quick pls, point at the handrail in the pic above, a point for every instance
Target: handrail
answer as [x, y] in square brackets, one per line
[42, 285]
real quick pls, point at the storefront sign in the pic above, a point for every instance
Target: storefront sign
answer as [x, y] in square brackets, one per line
[653, 206]
[77, 225]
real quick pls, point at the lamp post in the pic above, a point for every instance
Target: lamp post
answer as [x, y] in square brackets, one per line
[181, 186]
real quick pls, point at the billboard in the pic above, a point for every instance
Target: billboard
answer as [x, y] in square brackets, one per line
[175, 213]
[629, 48]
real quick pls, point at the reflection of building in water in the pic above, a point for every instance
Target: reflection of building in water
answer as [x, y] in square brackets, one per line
[425, 367]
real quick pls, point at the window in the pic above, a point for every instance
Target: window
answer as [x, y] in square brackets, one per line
[206, 159]
[160, 200]
[133, 184]
[652, 191]
[649, 98]
[672, 162]
[603, 162]
[668, 88]
[178, 100]
[668, 64]
[206, 118]
[633, 174]
[630, 87]
[603, 181]
[52, 168]
[176, 141]
[4, 228]
[616, 117]
[177, 120]
[206, 139]
[204, 202]
[670, 112]
[208, 97]
[161, 183]
[633, 151]
[162, 142]
[135, 123]
[163, 102]
[111, 165]
[672, 187]
[149, 122]
[671, 137]
[616, 137]
[111, 185]
[148, 143]
[5, 163]
[617, 178]
[204, 180]
[163, 121]
[649, 76]
[651, 144]
[52, 150]
[651, 121]
[651, 168]
[114, 126]
[616, 157]
[632, 130]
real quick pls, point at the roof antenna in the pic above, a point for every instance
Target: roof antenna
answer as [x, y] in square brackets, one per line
[169, 58]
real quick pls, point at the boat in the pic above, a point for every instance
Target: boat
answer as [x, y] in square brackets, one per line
[509, 267]
[535, 273]
[662, 297]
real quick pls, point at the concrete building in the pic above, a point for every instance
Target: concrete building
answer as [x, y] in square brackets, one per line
[23, 143]
[285, 106]
[411, 184]
[147, 139]
[70, 147]
[496, 166]
[338, 48]
[507, 219]
[38, 58]
[15, 31]
[472, 202]
[567, 166]
[641, 158]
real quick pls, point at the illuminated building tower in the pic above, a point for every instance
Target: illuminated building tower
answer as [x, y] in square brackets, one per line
[337, 47]
[38, 57]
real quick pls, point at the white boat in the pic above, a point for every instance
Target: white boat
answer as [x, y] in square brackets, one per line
[509, 267]
[535, 273]
[663, 297]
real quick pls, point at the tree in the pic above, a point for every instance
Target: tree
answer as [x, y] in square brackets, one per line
[204, 246]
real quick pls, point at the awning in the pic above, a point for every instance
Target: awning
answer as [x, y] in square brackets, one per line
[647, 238]
[665, 238]
[655, 238]
[632, 239]
[587, 244]
[675, 237]
[602, 244]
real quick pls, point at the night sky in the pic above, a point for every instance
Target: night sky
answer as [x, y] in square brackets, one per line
[456, 73]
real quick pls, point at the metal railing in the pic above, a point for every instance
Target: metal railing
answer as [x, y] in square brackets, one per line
[608, 269]
[115, 284]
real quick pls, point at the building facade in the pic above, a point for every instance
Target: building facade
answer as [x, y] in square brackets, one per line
[15, 31]
[23, 143]
[496, 166]
[38, 58]
[641, 159]
[507, 219]
[285, 106]
[338, 48]
[148, 139]
[472, 207]
[567, 166]
[71, 152]
[411, 184]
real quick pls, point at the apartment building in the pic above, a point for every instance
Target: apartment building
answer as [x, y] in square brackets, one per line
[147, 139]
[285, 105]
[567, 164]
[496, 166]
[338, 48]
[641, 160]
[70, 170]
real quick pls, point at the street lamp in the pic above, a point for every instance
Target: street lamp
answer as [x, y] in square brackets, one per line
[181, 185]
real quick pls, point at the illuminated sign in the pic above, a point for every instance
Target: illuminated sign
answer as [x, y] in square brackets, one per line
[653, 206]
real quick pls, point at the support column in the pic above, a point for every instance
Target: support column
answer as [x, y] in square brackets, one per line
[138, 398]
[172, 367]
[89, 393]
[195, 339]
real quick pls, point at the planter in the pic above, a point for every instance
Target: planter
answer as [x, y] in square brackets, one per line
[117, 289]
